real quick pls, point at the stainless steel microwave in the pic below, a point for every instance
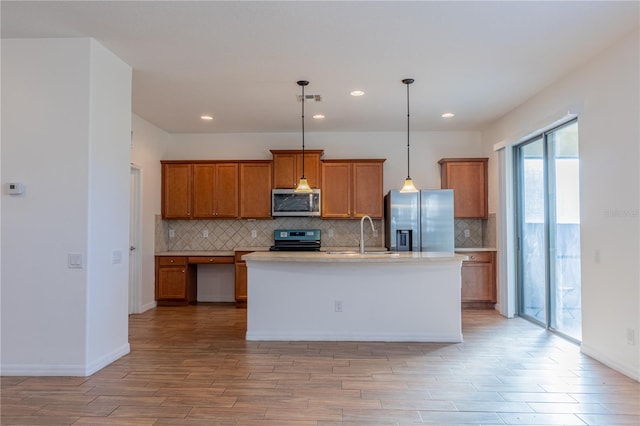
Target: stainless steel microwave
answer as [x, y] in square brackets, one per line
[287, 202]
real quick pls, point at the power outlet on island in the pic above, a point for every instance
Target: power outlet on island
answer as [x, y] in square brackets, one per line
[338, 305]
[631, 336]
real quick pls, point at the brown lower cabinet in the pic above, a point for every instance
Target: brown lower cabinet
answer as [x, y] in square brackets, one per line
[479, 280]
[241, 280]
[175, 281]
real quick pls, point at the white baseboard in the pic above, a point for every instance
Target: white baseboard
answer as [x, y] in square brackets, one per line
[627, 370]
[355, 337]
[107, 359]
[77, 370]
[147, 306]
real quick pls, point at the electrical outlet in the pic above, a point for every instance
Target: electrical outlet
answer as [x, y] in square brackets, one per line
[254, 233]
[467, 234]
[631, 337]
[331, 232]
[172, 233]
[205, 233]
[375, 233]
[338, 305]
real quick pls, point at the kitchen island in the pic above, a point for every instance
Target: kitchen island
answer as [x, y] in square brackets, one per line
[411, 296]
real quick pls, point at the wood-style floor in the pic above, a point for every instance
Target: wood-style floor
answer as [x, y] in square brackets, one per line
[192, 366]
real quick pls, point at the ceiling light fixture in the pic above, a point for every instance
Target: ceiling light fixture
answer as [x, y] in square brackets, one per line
[408, 182]
[303, 185]
[448, 115]
[206, 117]
[357, 93]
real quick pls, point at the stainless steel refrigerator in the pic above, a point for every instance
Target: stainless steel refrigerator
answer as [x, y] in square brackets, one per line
[419, 221]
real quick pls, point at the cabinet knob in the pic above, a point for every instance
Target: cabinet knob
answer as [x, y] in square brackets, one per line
[472, 257]
[171, 261]
[183, 271]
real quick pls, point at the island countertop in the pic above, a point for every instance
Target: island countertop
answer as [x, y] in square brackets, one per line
[355, 257]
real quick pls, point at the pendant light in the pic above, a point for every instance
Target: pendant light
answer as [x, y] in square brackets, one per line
[408, 182]
[303, 185]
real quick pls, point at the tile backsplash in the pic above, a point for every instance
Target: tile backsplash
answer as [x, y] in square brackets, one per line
[175, 235]
[481, 232]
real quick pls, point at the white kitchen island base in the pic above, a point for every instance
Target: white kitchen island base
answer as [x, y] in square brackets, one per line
[412, 297]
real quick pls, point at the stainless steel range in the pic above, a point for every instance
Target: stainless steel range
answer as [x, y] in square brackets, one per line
[296, 240]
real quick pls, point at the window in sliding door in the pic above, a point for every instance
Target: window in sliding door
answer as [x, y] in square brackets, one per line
[548, 211]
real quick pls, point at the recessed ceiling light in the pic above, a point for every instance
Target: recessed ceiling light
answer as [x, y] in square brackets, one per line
[206, 117]
[318, 116]
[448, 115]
[357, 93]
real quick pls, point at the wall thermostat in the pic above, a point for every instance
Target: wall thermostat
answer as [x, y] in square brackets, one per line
[15, 188]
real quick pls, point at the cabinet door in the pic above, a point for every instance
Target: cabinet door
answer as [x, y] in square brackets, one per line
[226, 190]
[255, 190]
[172, 283]
[176, 191]
[215, 190]
[203, 190]
[284, 170]
[311, 169]
[241, 283]
[367, 189]
[477, 282]
[468, 179]
[336, 190]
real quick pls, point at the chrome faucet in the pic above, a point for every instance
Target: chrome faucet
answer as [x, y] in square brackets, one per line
[362, 231]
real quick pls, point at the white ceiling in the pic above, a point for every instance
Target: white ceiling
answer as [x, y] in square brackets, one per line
[239, 61]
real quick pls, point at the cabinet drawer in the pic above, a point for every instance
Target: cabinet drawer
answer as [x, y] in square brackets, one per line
[484, 256]
[171, 260]
[210, 259]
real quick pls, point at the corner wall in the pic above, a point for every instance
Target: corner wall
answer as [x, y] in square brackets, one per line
[65, 108]
[605, 94]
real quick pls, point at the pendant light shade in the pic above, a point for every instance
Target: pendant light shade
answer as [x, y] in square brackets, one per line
[408, 182]
[303, 185]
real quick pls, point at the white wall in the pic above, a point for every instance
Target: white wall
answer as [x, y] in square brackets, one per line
[149, 145]
[605, 94]
[108, 209]
[426, 149]
[54, 95]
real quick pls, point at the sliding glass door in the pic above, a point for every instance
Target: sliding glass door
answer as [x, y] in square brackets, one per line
[549, 230]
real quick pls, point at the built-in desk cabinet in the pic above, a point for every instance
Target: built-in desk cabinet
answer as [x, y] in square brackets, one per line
[352, 189]
[479, 280]
[176, 277]
[175, 281]
[287, 167]
[468, 179]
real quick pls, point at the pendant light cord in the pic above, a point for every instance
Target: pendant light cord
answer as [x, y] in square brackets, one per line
[408, 174]
[303, 177]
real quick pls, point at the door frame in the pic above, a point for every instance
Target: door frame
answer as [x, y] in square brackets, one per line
[135, 240]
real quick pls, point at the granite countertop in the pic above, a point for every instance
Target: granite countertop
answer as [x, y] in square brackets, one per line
[469, 249]
[389, 257]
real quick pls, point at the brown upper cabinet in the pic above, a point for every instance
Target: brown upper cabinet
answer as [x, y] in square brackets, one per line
[468, 179]
[287, 167]
[215, 190]
[176, 190]
[255, 190]
[199, 190]
[351, 189]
